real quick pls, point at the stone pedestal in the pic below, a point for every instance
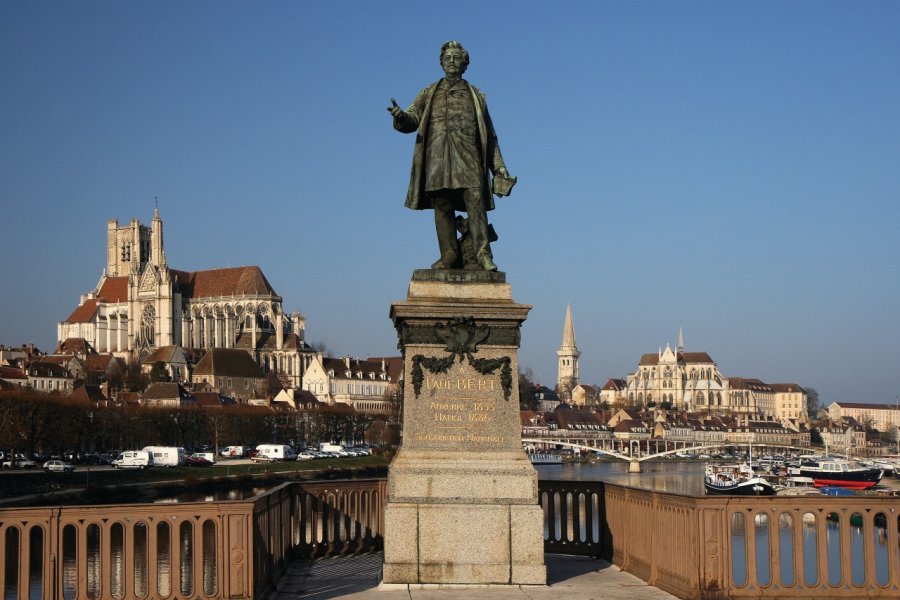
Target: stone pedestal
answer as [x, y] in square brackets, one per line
[462, 502]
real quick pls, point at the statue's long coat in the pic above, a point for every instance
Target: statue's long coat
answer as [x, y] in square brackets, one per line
[417, 118]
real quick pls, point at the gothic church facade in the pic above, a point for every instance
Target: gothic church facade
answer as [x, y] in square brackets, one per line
[141, 304]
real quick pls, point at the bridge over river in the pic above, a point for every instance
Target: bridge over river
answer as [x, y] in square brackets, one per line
[631, 450]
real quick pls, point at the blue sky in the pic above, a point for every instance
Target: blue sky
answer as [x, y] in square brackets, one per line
[731, 168]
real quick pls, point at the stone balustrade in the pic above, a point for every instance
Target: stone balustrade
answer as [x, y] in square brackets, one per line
[731, 546]
[694, 547]
[200, 550]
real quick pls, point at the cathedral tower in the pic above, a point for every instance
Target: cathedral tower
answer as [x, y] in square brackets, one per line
[568, 355]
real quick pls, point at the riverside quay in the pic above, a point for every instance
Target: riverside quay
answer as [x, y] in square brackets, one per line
[690, 546]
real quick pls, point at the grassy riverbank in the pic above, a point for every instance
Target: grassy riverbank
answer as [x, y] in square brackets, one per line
[99, 485]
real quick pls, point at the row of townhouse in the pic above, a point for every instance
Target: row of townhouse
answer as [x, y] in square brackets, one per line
[56, 373]
[662, 425]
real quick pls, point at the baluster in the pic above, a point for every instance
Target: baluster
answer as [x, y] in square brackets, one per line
[846, 559]
[774, 523]
[822, 546]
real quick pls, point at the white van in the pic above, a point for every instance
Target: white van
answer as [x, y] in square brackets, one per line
[272, 452]
[333, 449]
[132, 459]
[233, 452]
[165, 456]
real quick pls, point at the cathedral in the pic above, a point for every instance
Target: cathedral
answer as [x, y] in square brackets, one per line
[689, 381]
[141, 305]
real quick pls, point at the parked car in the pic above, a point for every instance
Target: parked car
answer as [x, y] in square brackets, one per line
[94, 458]
[58, 466]
[305, 455]
[209, 456]
[262, 458]
[18, 462]
[196, 460]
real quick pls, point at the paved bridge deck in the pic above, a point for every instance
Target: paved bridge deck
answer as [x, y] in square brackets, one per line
[357, 578]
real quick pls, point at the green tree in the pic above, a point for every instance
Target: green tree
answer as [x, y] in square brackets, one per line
[815, 438]
[273, 384]
[159, 372]
[527, 395]
[813, 403]
[134, 379]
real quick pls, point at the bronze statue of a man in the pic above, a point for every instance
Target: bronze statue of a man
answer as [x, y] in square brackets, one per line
[455, 150]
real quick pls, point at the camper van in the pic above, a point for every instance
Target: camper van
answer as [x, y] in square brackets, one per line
[165, 456]
[132, 459]
[273, 452]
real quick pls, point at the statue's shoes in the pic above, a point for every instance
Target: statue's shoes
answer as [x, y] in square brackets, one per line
[487, 264]
[445, 262]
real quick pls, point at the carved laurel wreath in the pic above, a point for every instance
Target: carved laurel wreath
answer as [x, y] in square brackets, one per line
[462, 337]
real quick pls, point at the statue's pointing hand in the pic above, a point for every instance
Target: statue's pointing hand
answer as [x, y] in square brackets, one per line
[395, 110]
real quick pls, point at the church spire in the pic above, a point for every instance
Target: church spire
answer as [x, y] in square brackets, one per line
[568, 339]
[568, 355]
[680, 339]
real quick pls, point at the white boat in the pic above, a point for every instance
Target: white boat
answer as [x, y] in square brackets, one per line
[797, 486]
[539, 458]
[737, 480]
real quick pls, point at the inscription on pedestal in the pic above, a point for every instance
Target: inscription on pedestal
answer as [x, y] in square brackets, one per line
[461, 410]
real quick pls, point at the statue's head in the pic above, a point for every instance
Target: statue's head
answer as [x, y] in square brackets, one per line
[459, 58]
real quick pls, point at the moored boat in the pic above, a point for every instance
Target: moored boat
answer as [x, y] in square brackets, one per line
[538, 458]
[797, 486]
[738, 480]
[838, 472]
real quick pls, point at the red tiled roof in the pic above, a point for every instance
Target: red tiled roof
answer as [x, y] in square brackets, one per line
[75, 345]
[88, 393]
[12, 373]
[84, 313]
[114, 289]
[393, 365]
[208, 399]
[615, 384]
[165, 354]
[129, 397]
[786, 387]
[682, 357]
[229, 362]
[236, 281]
[166, 390]
[867, 405]
[101, 362]
[742, 383]
[628, 425]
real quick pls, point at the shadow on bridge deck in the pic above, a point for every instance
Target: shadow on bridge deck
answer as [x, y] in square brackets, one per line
[357, 578]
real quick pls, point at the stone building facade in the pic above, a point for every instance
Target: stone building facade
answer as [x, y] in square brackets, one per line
[882, 417]
[367, 385]
[692, 381]
[140, 304]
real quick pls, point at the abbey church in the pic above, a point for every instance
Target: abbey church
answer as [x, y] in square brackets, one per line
[141, 305]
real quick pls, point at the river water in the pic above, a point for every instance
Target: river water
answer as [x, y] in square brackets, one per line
[686, 477]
